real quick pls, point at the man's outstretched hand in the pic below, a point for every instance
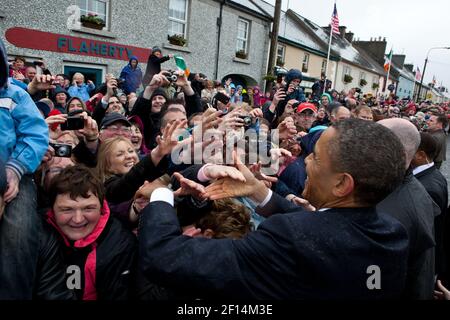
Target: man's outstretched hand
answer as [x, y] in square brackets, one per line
[228, 187]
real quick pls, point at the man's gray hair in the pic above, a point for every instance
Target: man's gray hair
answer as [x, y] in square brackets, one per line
[407, 133]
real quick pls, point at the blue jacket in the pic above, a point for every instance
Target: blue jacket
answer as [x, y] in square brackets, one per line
[24, 138]
[24, 133]
[132, 77]
[81, 92]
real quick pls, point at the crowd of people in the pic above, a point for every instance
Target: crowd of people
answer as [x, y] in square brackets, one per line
[104, 195]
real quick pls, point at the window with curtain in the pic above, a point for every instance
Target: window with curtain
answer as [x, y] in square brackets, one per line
[280, 53]
[178, 16]
[242, 35]
[305, 62]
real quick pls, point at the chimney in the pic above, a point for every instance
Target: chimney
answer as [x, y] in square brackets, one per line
[373, 47]
[349, 36]
[399, 59]
[342, 30]
[409, 67]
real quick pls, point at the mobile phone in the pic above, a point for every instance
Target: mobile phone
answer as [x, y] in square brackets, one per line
[62, 150]
[279, 78]
[73, 123]
[222, 98]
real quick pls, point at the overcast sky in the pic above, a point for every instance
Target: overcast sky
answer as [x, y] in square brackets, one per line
[411, 27]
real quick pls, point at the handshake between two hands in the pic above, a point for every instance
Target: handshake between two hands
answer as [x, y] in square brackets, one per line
[227, 182]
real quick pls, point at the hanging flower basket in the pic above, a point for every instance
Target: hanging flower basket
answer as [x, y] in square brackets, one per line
[348, 78]
[375, 86]
[362, 83]
[177, 40]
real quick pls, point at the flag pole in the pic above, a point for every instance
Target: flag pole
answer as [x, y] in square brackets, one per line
[387, 79]
[389, 71]
[328, 59]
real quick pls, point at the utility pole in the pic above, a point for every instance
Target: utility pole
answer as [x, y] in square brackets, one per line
[423, 72]
[274, 41]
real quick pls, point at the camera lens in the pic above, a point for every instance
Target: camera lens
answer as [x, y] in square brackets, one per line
[173, 78]
[62, 151]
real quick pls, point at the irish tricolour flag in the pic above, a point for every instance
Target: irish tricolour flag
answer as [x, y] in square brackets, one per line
[387, 61]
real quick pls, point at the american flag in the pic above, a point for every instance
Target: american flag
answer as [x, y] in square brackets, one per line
[418, 74]
[335, 21]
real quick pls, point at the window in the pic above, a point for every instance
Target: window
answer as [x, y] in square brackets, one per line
[242, 35]
[280, 54]
[347, 75]
[305, 62]
[362, 76]
[95, 7]
[324, 67]
[178, 17]
[375, 80]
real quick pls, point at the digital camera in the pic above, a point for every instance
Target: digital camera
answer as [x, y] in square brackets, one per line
[62, 150]
[171, 76]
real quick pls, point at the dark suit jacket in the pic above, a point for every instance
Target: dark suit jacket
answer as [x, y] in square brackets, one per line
[414, 208]
[296, 255]
[436, 186]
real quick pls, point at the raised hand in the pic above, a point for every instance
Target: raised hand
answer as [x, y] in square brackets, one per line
[146, 190]
[216, 171]
[188, 187]
[287, 129]
[159, 80]
[90, 130]
[228, 187]
[56, 119]
[41, 82]
[280, 95]
[168, 141]
[257, 113]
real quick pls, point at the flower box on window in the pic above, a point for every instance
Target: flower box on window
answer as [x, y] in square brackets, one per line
[280, 62]
[375, 86]
[362, 83]
[348, 78]
[177, 40]
[92, 21]
[269, 78]
[241, 54]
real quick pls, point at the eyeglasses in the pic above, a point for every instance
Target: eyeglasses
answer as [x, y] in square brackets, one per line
[118, 129]
[304, 115]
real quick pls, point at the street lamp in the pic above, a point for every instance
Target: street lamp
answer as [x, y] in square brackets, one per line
[423, 72]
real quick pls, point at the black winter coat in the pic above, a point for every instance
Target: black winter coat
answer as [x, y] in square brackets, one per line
[297, 255]
[436, 186]
[50, 272]
[106, 258]
[414, 208]
[153, 67]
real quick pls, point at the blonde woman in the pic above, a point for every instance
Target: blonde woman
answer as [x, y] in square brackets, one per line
[122, 173]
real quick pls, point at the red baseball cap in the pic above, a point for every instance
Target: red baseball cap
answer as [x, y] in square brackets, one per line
[306, 106]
